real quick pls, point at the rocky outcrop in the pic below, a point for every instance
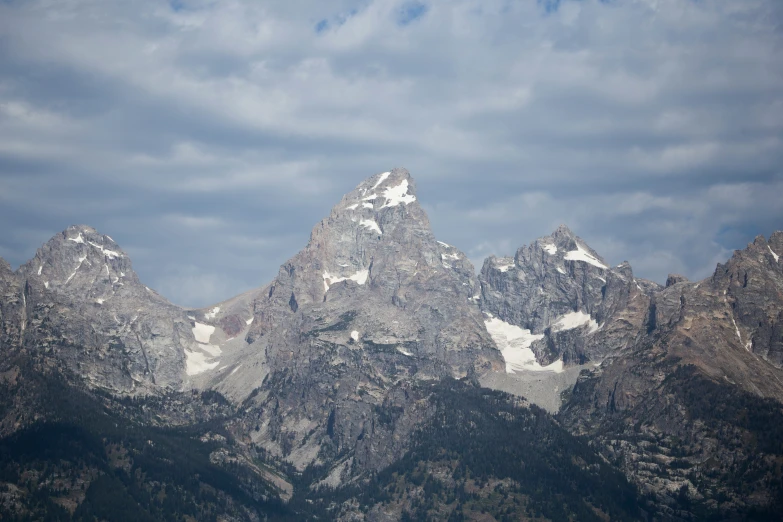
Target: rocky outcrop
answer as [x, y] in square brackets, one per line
[372, 302]
[679, 397]
[12, 309]
[565, 293]
[83, 306]
[752, 281]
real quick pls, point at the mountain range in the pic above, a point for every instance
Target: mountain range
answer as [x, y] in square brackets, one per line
[379, 378]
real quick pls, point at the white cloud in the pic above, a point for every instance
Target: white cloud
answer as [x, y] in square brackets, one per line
[652, 127]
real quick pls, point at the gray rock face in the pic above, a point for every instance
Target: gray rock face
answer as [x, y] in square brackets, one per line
[678, 392]
[561, 288]
[320, 363]
[12, 308]
[753, 283]
[673, 279]
[372, 302]
[83, 306]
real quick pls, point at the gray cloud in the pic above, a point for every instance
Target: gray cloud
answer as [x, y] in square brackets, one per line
[208, 137]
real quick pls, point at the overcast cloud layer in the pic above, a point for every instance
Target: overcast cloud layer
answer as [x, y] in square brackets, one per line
[208, 137]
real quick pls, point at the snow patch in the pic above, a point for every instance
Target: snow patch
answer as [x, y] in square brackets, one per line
[77, 239]
[368, 205]
[100, 300]
[111, 254]
[371, 224]
[404, 352]
[514, 344]
[202, 332]
[504, 268]
[249, 321]
[574, 320]
[399, 194]
[355, 335]
[380, 180]
[235, 370]
[360, 277]
[196, 363]
[352, 207]
[550, 249]
[46, 284]
[747, 345]
[192, 318]
[770, 251]
[371, 197]
[81, 260]
[561, 270]
[212, 313]
[40, 269]
[211, 349]
[453, 257]
[580, 254]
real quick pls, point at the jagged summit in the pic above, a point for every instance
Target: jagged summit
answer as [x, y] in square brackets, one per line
[560, 250]
[85, 266]
[394, 188]
[562, 301]
[372, 301]
[377, 238]
[84, 305]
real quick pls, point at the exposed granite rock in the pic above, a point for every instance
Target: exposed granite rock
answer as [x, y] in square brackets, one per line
[85, 307]
[13, 309]
[373, 301]
[560, 287]
[673, 279]
[717, 336]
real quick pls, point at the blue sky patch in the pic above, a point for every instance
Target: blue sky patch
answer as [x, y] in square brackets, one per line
[321, 26]
[410, 12]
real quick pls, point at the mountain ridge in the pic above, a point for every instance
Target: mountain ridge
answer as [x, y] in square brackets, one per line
[324, 373]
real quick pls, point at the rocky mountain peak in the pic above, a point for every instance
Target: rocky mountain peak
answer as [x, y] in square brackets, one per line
[377, 238]
[562, 234]
[5, 266]
[673, 279]
[573, 306]
[776, 243]
[81, 262]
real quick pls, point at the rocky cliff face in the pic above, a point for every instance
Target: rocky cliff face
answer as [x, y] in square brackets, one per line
[695, 396]
[576, 307]
[372, 302]
[327, 368]
[12, 308]
[677, 369]
[79, 303]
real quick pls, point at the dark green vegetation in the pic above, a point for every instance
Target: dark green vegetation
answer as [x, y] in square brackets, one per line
[723, 444]
[746, 425]
[483, 455]
[480, 455]
[88, 456]
[83, 460]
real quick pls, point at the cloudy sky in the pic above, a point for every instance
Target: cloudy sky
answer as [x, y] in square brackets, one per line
[207, 137]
